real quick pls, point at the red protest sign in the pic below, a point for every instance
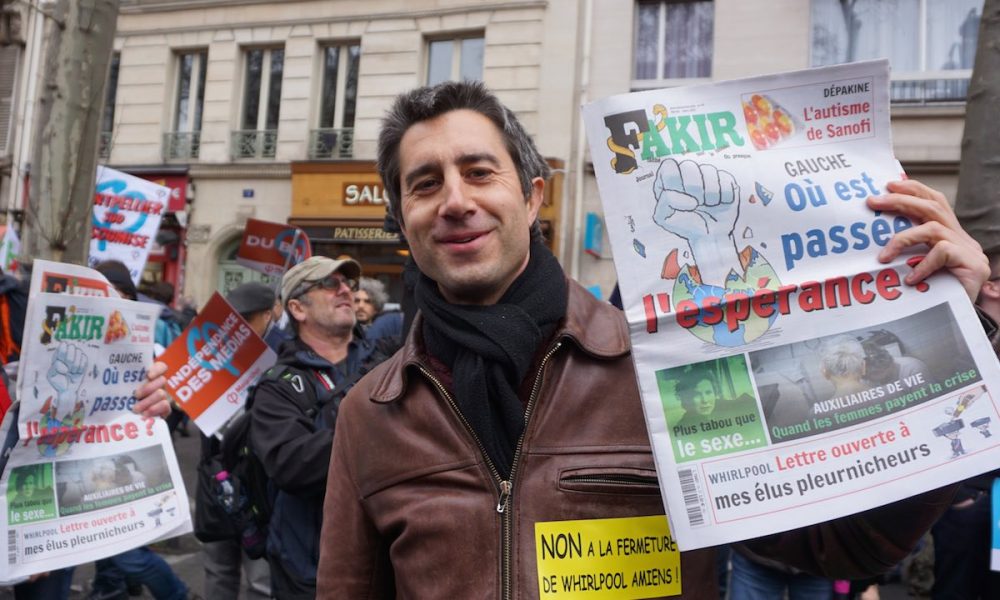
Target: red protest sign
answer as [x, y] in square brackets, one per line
[213, 363]
[266, 247]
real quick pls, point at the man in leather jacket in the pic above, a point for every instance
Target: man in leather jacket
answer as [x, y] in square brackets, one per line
[514, 402]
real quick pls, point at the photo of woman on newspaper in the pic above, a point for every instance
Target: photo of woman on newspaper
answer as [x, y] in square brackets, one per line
[710, 407]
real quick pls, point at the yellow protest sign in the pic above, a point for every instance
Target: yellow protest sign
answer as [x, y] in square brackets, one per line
[605, 559]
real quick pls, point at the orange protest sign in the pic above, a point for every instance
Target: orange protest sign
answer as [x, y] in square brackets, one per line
[266, 247]
[213, 363]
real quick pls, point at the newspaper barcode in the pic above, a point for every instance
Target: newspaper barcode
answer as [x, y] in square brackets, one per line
[692, 499]
[11, 546]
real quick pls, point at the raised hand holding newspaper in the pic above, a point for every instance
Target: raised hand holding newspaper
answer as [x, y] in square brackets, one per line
[87, 477]
[788, 375]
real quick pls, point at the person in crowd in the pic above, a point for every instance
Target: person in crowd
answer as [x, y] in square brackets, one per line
[448, 454]
[292, 437]
[369, 303]
[13, 304]
[280, 332]
[188, 311]
[118, 275]
[55, 585]
[141, 566]
[254, 302]
[961, 536]
[369, 299]
[168, 325]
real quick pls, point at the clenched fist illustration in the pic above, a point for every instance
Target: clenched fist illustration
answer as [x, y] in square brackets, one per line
[69, 365]
[700, 203]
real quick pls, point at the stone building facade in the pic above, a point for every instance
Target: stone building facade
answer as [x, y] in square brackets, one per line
[270, 110]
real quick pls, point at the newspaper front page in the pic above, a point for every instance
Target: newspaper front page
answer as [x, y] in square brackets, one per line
[85, 477]
[787, 376]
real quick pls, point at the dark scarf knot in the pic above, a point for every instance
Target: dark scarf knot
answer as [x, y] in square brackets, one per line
[489, 349]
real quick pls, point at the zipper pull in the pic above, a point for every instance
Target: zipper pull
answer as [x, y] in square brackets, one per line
[505, 488]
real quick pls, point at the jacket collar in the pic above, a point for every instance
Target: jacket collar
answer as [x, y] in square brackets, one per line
[593, 327]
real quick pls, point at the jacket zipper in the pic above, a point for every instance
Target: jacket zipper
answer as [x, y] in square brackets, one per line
[504, 487]
[508, 518]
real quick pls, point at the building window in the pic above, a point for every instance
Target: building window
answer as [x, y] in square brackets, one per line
[258, 133]
[930, 44]
[457, 59]
[673, 41]
[108, 114]
[334, 138]
[10, 58]
[184, 141]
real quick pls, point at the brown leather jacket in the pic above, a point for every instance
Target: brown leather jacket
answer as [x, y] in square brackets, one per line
[413, 510]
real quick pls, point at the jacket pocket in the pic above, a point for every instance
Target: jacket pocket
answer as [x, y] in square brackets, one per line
[606, 480]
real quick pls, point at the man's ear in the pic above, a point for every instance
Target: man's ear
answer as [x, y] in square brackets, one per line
[991, 290]
[535, 198]
[295, 309]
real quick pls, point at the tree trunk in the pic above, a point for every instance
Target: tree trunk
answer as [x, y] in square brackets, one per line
[977, 202]
[64, 159]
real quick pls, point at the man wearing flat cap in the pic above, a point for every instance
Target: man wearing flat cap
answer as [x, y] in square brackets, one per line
[255, 303]
[294, 407]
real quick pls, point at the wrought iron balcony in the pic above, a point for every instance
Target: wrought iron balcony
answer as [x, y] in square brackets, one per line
[331, 143]
[937, 90]
[181, 145]
[253, 143]
[104, 145]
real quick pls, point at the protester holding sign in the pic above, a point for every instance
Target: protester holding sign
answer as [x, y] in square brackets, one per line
[138, 565]
[503, 450]
[224, 557]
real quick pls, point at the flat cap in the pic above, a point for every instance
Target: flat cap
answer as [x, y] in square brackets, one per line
[250, 298]
[313, 269]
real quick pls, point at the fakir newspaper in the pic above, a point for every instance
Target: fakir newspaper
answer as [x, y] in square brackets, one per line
[787, 376]
[86, 478]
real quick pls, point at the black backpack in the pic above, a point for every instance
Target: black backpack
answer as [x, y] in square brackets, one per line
[253, 495]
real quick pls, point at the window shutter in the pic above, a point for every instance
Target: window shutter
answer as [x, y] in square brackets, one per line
[8, 77]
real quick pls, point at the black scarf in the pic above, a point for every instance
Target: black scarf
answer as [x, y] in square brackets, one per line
[489, 349]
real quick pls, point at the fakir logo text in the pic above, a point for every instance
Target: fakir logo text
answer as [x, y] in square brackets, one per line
[662, 135]
[61, 324]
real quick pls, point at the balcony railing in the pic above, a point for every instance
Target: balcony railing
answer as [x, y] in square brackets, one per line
[254, 143]
[331, 143]
[104, 145]
[941, 87]
[181, 145]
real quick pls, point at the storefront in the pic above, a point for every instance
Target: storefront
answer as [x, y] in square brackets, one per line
[341, 207]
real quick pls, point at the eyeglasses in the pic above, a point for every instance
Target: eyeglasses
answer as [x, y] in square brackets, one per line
[331, 282]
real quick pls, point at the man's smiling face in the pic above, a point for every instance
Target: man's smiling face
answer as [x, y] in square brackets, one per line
[464, 212]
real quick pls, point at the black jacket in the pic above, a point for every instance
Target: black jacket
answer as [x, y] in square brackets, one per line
[292, 415]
